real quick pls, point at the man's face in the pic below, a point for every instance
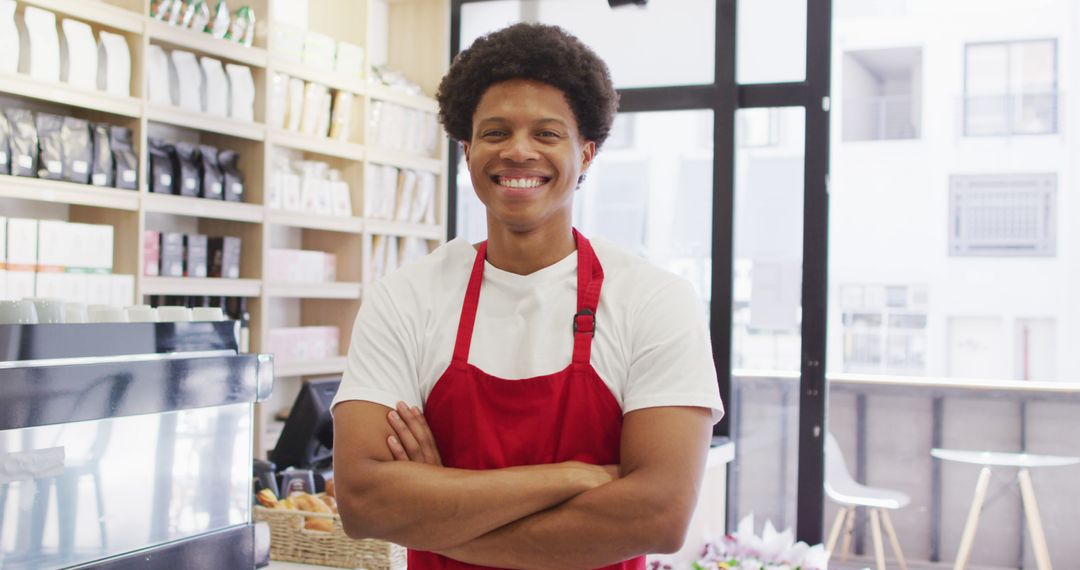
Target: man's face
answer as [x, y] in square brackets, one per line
[526, 155]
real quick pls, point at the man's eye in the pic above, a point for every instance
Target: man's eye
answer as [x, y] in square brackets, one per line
[550, 134]
[494, 134]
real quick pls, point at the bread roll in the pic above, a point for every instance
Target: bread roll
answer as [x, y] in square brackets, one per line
[309, 503]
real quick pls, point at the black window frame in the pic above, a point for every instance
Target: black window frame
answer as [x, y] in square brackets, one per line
[725, 96]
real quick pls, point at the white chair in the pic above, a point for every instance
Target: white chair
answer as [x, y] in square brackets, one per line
[850, 494]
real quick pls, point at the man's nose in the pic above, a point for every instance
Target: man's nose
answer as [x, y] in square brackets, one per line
[519, 148]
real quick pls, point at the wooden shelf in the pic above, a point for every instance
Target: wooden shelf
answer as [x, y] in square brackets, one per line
[60, 93]
[406, 229]
[94, 12]
[59, 192]
[202, 208]
[318, 145]
[205, 44]
[390, 95]
[404, 160]
[348, 225]
[330, 79]
[209, 286]
[337, 290]
[206, 122]
[334, 365]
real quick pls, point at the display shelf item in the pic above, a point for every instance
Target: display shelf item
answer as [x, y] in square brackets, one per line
[205, 44]
[64, 94]
[206, 122]
[337, 290]
[94, 12]
[202, 208]
[342, 224]
[391, 95]
[208, 286]
[59, 192]
[331, 79]
[404, 160]
[318, 145]
[403, 229]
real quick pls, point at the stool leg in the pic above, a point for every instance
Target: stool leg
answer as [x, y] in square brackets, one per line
[891, 532]
[848, 531]
[838, 524]
[1031, 511]
[968, 537]
[875, 528]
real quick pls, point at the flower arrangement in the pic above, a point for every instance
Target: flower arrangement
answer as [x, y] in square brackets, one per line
[773, 550]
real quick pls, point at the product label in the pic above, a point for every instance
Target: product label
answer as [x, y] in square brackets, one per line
[99, 179]
[189, 183]
[25, 161]
[79, 166]
[237, 188]
[166, 179]
[215, 188]
[128, 176]
[54, 166]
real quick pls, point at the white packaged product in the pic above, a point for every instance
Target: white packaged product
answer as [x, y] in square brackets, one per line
[295, 106]
[114, 64]
[39, 53]
[423, 208]
[9, 38]
[279, 100]
[288, 41]
[341, 116]
[241, 92]
[405, 193]
[349, 60]
[389, 189]
[391, 245]
[322, 129]
[314, 98]
[187, 89]
[290, 191]
[157, 75]
[319, 51]
[340, 196]
[377, 257]
[78, 55]
[215, 87]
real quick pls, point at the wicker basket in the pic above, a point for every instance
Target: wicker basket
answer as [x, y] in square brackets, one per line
[291, 542]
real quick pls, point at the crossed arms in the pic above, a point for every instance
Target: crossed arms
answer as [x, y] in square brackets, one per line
[391, 485]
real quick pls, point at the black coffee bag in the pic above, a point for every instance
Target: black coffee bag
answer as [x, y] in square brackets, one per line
[229, 160]
[125, 174]
[163, 167]
[23, 142]
[213, 179]
[5, 146]
[101, 171]
[188, 159]
[50, 146]
[77, 149]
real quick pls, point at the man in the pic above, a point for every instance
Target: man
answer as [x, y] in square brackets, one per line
[568, 392]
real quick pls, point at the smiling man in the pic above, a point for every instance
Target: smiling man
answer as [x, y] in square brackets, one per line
[537, 400]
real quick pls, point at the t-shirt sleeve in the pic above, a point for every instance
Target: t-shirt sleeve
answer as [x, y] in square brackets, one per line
[381, 365]
[671, 361]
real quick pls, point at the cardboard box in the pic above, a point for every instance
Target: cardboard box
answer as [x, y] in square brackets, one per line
[172, 254]
[20, 284]
[53, 246]
[195, 254]
[22, 244]
[122, 290]
[224, 257]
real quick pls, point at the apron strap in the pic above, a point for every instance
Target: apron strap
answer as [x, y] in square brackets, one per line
[590, 278]
[468, 310]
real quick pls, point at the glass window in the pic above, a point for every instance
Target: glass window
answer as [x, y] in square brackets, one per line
[1011, 88]
[663, 43]
[771, 41]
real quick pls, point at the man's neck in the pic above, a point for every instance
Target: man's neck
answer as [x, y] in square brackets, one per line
[528, 252]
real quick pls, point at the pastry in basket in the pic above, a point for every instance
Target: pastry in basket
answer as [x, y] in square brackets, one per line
[267, 498]
[312, 504]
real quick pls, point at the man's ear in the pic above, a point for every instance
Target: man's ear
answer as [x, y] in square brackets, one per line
[588, 152]
[465, 148]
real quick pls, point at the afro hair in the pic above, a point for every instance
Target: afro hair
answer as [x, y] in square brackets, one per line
[547, 54]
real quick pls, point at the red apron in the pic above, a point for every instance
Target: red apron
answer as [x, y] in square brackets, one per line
[483, 422]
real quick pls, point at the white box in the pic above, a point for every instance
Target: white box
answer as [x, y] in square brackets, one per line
[39, 49]
[295, 104]
[279, 100]
[290, 196]
[22, 246]
[20, 284]
[98, 288]
[3, 284]
[114, 64]
[288, 41]
[186, 88]
[158, 75]
[340, 198]
[103, 247]
[314, 98]
[349, 60]
[122, 290]
[319, 51]
[50, 285]
[52, 246]
[406, 195]
[78, 54]
[9, 38]
[241, 92]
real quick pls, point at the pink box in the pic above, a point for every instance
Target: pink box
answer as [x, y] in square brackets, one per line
[151, 253]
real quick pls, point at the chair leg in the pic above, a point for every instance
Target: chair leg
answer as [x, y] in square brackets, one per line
[891, 532]
[875, 528]
[838, 524]
[848, 531]
[967, 539]
[1034, 523]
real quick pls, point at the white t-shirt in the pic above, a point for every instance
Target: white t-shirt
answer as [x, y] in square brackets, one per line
[651, 346]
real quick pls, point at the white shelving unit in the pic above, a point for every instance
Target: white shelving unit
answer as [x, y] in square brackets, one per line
[417, 36]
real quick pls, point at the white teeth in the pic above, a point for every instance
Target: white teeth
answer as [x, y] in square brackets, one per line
[520, 182]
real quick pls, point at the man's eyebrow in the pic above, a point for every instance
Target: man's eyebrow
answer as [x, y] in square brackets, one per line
[559, 122]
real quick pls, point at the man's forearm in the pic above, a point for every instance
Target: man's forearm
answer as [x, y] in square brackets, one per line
[431, 508]
[609, 524]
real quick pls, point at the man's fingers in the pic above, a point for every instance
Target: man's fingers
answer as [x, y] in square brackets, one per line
[396, 450]
[406, 437]
[415, 420]
[433, 448]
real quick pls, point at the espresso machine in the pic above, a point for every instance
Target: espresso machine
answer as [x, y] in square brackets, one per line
[128, 445]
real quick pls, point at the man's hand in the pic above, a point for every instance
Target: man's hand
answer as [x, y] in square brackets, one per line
[413, 440]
